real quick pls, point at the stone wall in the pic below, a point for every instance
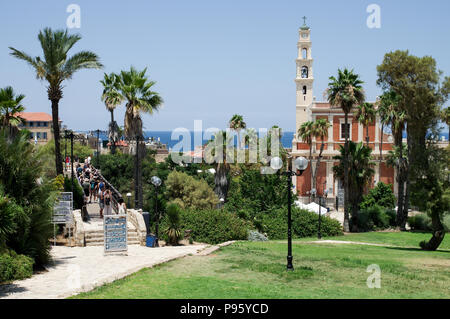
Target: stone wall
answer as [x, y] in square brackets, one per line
[135, 217]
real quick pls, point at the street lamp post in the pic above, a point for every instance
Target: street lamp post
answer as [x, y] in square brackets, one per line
[300, 165]
[129, 197]
[156, 181]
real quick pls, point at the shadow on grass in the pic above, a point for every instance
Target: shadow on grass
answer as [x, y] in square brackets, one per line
[418, 249]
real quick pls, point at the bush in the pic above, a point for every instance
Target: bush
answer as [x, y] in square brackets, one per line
[212, 226]
[173, 231]
[78, 193]
[304, 224]
[380, 195]
[375, 218]
[21, 176]
[188, 192]
[420, 222]
[15, 267]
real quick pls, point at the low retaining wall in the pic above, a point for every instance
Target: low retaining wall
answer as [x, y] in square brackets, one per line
[135, 217]
[78, 232]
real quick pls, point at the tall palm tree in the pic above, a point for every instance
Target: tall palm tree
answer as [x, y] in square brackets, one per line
[10, 109]
[136, 90]
[393, 116]
[346, 92]
[306, 133]
[360, 172]
[237, 124]
[445, 115]
[217, 151]
[112, 98]
[321, 127]
[365, 115]
[55, 67]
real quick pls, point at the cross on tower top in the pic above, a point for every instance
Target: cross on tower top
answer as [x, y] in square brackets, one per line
[304, 26]
[304, 20]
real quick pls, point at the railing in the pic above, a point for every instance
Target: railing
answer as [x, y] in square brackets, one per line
[115, 193]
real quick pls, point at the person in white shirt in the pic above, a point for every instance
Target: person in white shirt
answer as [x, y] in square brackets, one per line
[122, 207]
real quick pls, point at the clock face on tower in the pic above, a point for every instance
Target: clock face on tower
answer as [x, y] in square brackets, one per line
[304, 35]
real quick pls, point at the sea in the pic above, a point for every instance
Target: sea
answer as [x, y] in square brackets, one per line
[198, 138]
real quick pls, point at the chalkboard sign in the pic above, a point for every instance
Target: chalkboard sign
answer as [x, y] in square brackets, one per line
[115, 231]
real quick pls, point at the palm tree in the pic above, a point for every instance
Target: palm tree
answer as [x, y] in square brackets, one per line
[396, 119]
[360, 172]
[306, 132]
[136, 89]
[10, 109]
[345, 92]
[321, 127]
[365, 115]
[445, 115]
[237, 124]
[56, 67]
[112, 98]
[217, 151]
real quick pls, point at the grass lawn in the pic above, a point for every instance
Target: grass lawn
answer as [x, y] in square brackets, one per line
[257, 270]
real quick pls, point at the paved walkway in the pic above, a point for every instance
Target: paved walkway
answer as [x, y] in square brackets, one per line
[80, 269]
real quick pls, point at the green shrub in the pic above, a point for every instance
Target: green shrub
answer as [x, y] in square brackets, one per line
[78, 194]
[212, 226]
[15, 267]
[173, 231]
[23, 181]
[446, 222]
[375, 218]
[304, 224]
[420, 222]
[381, 195]
[190, 193]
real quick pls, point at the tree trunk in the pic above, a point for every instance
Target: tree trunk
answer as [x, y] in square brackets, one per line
[55, 118]
[438, 233]
[400, 180]
[318, 165]
[313, 178]
[367, 135]
[221, 181]
[113, 127]
[346, 212]
[381, 149]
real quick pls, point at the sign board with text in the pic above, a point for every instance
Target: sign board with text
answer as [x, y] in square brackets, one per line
[115, 233]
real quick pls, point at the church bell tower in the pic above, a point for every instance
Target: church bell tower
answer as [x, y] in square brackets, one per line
[304, 79]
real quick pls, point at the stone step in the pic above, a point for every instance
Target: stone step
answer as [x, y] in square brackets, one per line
[100, 234]
[100, 239]
[101, 243]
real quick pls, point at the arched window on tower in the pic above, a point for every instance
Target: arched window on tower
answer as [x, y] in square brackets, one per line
[305, 53]
[304, 72]
[304, 90]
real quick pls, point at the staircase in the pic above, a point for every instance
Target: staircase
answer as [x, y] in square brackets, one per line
[96, 238]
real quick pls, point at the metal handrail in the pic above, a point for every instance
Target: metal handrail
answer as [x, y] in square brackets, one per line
[115, 193]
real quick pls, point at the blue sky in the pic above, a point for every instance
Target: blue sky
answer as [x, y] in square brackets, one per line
[212, 59]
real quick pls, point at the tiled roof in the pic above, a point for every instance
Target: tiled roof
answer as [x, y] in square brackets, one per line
[36, 116]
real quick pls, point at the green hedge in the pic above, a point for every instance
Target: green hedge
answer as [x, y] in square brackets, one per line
[304, 224]
[212, 226]
[375, 218]
[15, 267]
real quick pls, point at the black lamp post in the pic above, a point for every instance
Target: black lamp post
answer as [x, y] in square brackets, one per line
[156, 181]
[300, 165]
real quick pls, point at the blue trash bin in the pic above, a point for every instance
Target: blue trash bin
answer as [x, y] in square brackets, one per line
[150, 241]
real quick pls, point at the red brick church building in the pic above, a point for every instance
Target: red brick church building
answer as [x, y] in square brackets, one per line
[308, 109]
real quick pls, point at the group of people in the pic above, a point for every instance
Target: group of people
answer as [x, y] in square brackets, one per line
[95, 189]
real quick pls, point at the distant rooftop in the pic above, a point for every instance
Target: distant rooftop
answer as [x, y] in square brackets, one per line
[36, 116]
